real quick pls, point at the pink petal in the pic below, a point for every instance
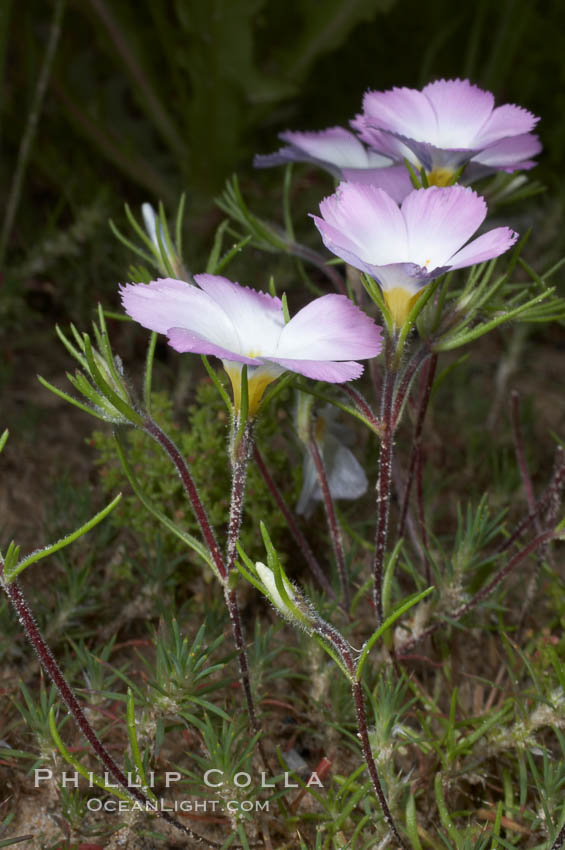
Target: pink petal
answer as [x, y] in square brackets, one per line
[507, 120]
[330, 328]
[185, 341]
[510, 153]
[380, 140]
[335, 145]
[461, 108]
[485, 247]
[322, 370]
[394, 180]
[407, 112]
[168, 303]
[341, 245]
[370, 220]
[439, 221]
[257, 317]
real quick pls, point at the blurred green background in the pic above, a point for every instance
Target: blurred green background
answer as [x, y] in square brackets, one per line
[146, 99]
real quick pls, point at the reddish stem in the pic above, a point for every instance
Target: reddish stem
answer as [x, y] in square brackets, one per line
[301, 541]
[521, 457]
[179, 462]
[371, 766]
[383, 493]
[548, 498]
[425, 391]
[240, 464]
[362, 406]
[333, 525]
[49, 664]
[482, 594]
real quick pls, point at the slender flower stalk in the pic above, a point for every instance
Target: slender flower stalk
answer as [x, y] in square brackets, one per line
[47, 659]
[240, 463]
[362, 406]
[243, 660]
[384, 479]
[333, 524]
[415, 465]
[223, 566]
[296, 608]
[301, 541]
[357, 688]
[200, 513]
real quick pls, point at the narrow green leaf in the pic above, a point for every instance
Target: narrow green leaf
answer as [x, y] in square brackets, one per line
[39, 554]
[87, 774]
[396, 614]
[187, 538]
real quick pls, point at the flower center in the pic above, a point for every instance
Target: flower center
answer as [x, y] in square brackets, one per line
[440, 176]
[400, 302]
[258, 379]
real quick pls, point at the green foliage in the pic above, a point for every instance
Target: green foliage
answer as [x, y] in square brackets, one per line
[203, 442]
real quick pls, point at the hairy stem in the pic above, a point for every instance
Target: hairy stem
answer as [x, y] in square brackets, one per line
[383, 491]
[343, 649]
[179, 462]
[371, 766]
[236, 510]
[560, 840]
[239, 640]
[362, 406]
[240, 463]
[415, 466]
[49, 664]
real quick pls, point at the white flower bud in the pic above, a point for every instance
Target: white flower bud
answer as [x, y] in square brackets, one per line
[268, 578]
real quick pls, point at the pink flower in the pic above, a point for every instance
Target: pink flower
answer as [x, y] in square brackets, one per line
[341, 153]
[242, 326]
[405, 248]
[449, 123]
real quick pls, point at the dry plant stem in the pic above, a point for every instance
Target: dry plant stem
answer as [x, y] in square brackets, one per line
[548, 498]
[531, 500]
[333, 525]
[49, 664]
[481, 595]
[521, 458]
[190, 489]
[301, 541]
[344, 651]
[427, 382]
[384, 481]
